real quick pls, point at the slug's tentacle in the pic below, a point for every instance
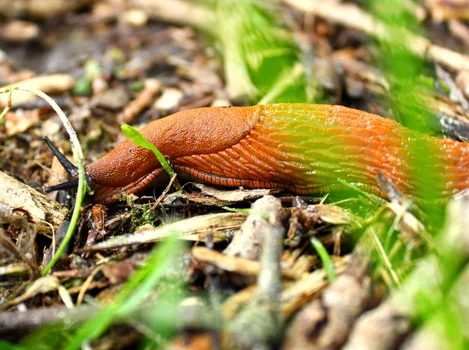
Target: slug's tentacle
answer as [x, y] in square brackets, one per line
[71, 168]
[69, 185]
[300, 147]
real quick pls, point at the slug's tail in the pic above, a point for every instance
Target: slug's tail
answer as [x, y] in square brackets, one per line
[71, 169]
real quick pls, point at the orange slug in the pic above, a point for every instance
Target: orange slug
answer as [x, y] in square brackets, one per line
[302, 148]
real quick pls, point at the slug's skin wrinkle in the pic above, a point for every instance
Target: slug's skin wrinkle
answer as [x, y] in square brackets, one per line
[299, 147]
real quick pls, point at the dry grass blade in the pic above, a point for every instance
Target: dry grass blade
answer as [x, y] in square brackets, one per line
[303, 291]
[194, 229]
[293, 296]
[40, 286]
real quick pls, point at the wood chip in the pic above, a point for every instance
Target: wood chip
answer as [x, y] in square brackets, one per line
[14, 194]
[170, 99]
[20, 121]
[40, 8]
[18, 31]
[55, 83]
[442, 10]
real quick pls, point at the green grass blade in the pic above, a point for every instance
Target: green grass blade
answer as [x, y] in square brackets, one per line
[139, 285]
[325, 259]
[259, 53]
[137, 138]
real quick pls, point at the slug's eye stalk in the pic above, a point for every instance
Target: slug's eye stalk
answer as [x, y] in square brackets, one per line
[71, 169]
[72, 184]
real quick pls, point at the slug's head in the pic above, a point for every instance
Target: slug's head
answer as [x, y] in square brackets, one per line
[109, 177]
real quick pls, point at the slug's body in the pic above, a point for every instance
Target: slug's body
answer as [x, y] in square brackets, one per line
[299, 147]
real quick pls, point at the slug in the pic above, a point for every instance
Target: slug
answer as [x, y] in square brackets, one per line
[302, 148]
